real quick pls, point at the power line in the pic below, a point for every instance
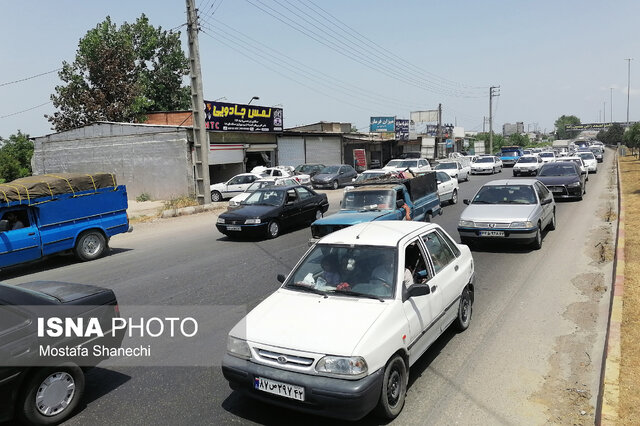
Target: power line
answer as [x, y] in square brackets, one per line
[306, 71]
[285, 76]
[359, 36]
[29, 78]
[26, 110]
[358, 56]
[395, 70]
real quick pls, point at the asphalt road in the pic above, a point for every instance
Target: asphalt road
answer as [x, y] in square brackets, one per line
[534, 320]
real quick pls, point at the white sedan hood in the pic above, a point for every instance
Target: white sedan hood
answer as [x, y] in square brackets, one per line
[309, 322]
[498, 212]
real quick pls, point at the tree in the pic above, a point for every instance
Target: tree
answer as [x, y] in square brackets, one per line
[631, 138]
[15, 157]
[560, 124]
[518, 139]
[614, 134]
[119, 74]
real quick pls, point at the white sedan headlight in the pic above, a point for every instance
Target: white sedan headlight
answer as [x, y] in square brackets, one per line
[526, 224]
[220, 220]
[252, 221]
[466, 223]
[354, 366]
[238, 347]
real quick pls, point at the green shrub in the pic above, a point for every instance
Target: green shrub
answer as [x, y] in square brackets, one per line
[143, 197]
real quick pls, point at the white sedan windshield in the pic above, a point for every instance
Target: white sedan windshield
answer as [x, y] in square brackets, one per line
[367, 271]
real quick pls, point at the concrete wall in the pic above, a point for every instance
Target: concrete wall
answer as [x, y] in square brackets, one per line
[153, 159]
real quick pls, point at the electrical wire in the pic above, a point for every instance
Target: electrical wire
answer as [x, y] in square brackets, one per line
[366, 54]
[26, 110]
[363, 55]
[285, 76]
[307, 71]
[358, 56]
[29, 78]
[354, 34]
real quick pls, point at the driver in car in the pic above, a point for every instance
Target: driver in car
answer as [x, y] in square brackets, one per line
[383, 273]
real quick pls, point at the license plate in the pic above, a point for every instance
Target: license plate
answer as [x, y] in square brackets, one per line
[233, 228]
[492, 233]
[279, 388]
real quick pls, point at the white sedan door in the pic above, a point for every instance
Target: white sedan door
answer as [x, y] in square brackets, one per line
[446, 185]
[421, 311]
[450, 274]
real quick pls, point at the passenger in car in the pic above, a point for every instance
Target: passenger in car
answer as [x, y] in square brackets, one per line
[330, 268]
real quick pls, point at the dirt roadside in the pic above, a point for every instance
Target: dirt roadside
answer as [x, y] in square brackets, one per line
[629, 397]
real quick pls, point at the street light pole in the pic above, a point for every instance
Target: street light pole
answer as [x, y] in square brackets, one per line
[628, 86]
[255, 98]
[611, 105]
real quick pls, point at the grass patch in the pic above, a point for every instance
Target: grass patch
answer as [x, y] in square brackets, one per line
[180, 202]
[143, 197]
[630, 332]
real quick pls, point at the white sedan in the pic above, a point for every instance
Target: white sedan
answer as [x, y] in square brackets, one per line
[547, 157]
[527, 165]
[447, 187]
[415, 165]
[590, 161]
[232, 187]
[357, 311]
[260, 183]
[455, 170]
[487, 164]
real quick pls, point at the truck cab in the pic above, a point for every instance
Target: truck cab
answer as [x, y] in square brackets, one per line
[510, 155]
[383, 200]
[44, 215]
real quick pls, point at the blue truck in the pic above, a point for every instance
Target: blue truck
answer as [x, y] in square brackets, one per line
[49, 214]
[510, 155]
[383, 199]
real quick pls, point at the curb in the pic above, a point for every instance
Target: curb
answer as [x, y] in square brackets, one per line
[610, 379]
[185, 211]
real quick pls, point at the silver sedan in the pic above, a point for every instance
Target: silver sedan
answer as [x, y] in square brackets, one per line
[509, 209]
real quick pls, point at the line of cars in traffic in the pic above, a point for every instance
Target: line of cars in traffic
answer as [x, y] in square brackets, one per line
[266, 200]
[521, 209]
[385, 290]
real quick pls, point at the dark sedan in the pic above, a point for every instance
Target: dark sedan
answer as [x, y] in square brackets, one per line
[334, 176]
[564, 179]
[39, 387]
[308, 169]
[268, 210]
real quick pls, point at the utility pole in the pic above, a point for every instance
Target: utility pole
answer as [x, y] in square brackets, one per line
[484, 122]
[611, 104]
[200, 136]
[604, 112]
[628, 85]
[493, 91]
[439, 137]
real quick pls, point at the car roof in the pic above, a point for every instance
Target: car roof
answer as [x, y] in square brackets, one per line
[386, 233]
[279, 188]
[501, 182]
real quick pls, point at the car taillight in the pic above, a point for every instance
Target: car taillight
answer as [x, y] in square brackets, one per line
[116, 310]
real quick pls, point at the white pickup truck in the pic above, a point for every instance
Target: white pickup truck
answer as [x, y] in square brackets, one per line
[357, 311]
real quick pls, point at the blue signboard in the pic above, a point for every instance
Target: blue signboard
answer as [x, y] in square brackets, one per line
[382, 124]
[402, 130]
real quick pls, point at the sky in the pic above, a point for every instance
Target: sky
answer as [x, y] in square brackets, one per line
[347, 61]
